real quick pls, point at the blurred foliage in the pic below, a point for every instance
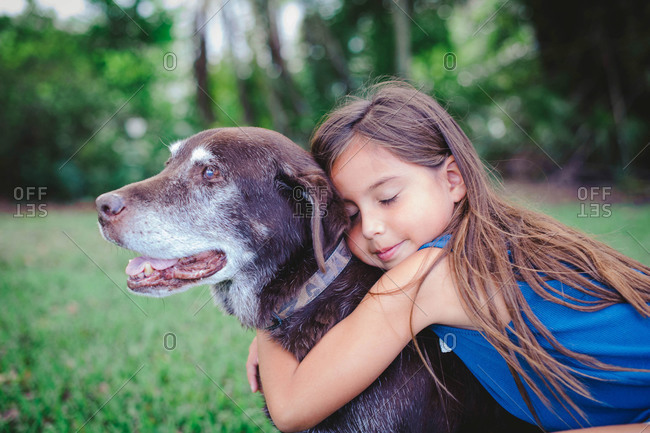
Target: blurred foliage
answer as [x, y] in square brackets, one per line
[67, 96]
[602, 67]
[543, 94]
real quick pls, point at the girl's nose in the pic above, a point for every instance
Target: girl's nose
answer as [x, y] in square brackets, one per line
[371, 226]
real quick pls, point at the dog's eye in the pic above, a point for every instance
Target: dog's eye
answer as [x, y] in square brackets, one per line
[210, 173]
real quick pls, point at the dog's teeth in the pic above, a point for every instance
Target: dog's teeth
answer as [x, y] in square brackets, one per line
[148, 270]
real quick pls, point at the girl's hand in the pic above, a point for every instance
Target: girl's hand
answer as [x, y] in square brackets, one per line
[355, 352]
[251, 367]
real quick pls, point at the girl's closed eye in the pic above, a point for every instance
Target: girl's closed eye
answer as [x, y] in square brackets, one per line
[388, 201]
[353, 211]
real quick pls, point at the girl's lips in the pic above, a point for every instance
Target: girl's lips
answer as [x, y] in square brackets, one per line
[387, 254]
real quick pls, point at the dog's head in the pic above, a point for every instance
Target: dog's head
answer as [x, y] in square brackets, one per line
[230, 208]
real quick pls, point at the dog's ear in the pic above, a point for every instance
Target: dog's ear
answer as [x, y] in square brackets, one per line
[309, 193]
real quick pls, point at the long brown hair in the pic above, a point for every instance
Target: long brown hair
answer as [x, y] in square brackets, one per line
[484, 226]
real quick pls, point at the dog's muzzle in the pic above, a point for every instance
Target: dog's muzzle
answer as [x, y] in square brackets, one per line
[147, 274]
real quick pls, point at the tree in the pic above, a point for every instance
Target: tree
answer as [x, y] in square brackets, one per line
[67, 98]
[597, 53]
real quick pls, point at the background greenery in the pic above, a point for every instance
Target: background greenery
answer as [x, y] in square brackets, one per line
[548, 91]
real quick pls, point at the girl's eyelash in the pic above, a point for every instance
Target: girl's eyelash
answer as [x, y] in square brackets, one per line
[385, 202]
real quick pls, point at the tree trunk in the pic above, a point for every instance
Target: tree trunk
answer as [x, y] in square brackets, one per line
[230, 30]
[402, 28]
[617, 101]
[319, 33]
[203, 101]
[266, 15]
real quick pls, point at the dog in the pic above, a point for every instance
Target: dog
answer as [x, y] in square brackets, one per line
[249, 212]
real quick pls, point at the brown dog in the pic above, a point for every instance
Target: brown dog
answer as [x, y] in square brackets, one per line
[249, 212]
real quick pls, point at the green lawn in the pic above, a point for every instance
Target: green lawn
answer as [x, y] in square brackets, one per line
[77, 350]
[79, 353]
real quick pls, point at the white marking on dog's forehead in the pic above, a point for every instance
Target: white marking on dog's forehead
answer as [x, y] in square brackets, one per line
[176, 146]
[201, 154]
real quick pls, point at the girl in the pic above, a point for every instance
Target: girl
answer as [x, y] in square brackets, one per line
[555, 325]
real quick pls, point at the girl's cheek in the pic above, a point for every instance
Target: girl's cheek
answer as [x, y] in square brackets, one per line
[352, 230]
[355, 244]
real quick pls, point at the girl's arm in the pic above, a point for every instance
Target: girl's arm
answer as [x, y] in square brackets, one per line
[359, 348]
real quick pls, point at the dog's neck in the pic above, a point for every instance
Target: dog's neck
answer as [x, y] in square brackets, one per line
[287, 276]
[315, 285]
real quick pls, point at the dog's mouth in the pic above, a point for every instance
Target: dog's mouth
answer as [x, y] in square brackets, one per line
[147, 273]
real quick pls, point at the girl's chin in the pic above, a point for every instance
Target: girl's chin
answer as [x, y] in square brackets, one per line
[390, 264]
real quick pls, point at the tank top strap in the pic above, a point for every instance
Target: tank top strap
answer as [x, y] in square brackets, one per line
[438, 242]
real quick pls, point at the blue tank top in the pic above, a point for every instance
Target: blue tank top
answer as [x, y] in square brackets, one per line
[616, 335]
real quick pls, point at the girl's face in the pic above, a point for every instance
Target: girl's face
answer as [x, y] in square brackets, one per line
[395, 206]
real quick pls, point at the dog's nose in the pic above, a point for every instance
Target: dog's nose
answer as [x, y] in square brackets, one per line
[109, 204]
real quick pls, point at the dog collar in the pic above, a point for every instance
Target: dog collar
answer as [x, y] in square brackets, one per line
[315, 285]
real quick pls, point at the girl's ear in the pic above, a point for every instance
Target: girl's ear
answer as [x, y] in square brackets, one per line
[457, 188]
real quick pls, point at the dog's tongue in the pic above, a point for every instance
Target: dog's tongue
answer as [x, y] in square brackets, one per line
[137, 264]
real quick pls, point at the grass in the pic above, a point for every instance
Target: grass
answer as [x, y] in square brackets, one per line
[80, 353]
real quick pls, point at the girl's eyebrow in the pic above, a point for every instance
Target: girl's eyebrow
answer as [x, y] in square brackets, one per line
[375, 185]
[380, 182]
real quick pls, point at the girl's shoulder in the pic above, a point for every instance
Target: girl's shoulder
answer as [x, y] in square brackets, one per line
[426, 278]
[442, 285]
